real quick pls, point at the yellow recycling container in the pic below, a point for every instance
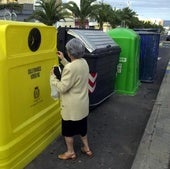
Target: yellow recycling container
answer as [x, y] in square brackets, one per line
[29, 117]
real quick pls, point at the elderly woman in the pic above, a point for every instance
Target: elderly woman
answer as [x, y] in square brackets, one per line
[73, 89]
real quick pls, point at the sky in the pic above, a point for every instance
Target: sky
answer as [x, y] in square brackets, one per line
[147, 9]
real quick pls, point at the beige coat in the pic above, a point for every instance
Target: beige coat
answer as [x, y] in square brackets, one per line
[73, 89]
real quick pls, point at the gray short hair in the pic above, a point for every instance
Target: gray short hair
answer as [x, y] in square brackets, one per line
[76, 48]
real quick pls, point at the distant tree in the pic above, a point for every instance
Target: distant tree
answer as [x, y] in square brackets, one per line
[102, 12]
[11, 6]
[83, 12]
[114, 19]
[148, 24]
[131, 20]
[128, 16]
[49, 13]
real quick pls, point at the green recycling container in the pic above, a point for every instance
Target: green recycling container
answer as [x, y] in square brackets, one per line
[127, 79]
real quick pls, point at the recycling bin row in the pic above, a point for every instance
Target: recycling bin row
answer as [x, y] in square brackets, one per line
[29, 117]
[138, 57]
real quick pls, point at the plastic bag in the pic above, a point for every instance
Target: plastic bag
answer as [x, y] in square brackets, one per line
[54, 93]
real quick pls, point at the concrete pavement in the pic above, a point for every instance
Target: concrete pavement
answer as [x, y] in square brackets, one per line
[154, 149]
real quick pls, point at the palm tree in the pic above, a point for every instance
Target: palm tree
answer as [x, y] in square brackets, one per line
[49, 13]
[102, 12]
[128, 16]
[83, 12]
[115, 18]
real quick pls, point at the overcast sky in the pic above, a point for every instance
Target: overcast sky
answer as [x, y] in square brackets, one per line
[155, 9]
[147, 9]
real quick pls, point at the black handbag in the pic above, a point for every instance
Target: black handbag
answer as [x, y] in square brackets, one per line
[57, 71]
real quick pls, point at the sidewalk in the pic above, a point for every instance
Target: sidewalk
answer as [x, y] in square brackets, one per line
[154, 149]
[116, 128]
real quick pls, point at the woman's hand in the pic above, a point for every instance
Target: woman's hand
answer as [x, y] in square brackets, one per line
[60, 54]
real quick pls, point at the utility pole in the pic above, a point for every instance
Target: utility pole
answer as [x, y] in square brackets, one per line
[128, 3]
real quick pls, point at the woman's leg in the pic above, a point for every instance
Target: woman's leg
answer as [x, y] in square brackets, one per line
[85, 149]
[69, 154]
[85, 142]
[69, 142]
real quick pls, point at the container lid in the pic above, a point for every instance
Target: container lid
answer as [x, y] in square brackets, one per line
[93, 39]
[157, 30]
[122, 33]
[147, 33]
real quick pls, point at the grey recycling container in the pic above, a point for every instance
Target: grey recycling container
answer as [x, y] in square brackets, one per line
[149, 51]
[102, 56]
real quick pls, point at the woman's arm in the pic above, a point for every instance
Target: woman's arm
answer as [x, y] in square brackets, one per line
[64, 61]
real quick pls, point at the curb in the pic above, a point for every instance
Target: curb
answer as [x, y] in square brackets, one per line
[154, 148]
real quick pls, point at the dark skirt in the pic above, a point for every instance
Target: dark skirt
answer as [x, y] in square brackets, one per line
[71, 128]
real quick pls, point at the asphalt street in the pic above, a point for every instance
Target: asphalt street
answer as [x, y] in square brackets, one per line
[115, 129]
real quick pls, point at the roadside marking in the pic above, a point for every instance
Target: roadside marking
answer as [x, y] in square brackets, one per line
[168, 68]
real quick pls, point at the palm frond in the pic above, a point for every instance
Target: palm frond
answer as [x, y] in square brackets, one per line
[50, 12]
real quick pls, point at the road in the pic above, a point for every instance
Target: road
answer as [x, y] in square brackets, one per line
[115, 129]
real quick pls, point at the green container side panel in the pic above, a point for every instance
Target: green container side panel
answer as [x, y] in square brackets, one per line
[127, 79]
